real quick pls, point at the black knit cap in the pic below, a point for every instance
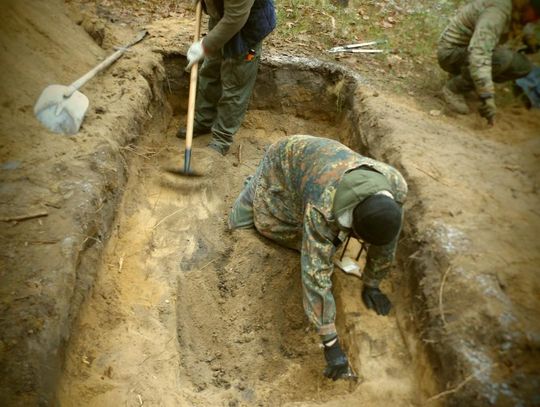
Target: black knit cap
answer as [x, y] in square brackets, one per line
[377, 219]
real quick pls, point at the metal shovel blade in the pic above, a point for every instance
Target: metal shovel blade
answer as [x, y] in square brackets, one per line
[58, 113]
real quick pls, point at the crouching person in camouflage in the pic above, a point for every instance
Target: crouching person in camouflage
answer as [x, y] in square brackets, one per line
[310, 194]
[470, 51]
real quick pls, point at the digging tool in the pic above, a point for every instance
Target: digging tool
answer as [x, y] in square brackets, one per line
[191, 104]
[61, 109]
[358, 48]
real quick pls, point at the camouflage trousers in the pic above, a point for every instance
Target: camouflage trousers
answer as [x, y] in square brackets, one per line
[223, 93]
[241, 216]
[506, 65]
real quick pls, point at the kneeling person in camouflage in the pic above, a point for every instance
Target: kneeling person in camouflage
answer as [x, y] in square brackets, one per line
[470, 51]
[310, 194]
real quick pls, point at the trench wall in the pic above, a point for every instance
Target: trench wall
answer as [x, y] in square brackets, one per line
[306, 88]
[45, 279]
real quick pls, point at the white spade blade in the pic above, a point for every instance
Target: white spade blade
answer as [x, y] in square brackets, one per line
[58, 113]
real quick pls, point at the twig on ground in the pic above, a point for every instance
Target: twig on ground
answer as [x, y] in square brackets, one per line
[166, 217]
[333, 20]
[441, 289]
[207, 264]
[143, 152]
[87, 238]
[157, 200]
[43, 241]
[168, 84]
[240, 154]
[431, 175]
[18, 218]
[120, 263]
[459, 386]
[157, 354]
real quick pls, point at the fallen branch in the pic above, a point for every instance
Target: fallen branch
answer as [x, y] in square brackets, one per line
[240, 154]
[441, 290]
[18, 218]
[43, 241]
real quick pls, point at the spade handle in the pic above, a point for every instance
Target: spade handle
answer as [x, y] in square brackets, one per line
[193, 82]
[104, 64]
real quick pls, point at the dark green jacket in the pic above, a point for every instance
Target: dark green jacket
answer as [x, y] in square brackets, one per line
[236, 26]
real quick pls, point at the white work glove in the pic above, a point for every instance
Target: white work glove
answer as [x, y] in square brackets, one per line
[195, 54]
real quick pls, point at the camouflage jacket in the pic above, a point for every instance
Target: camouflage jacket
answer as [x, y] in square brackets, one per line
[480, 26]
[293, 205]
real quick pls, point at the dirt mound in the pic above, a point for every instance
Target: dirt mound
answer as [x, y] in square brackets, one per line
[58, 194]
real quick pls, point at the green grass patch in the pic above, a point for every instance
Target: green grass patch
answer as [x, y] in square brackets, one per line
[409, 27]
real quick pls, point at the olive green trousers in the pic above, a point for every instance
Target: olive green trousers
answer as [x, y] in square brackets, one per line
[224, 89]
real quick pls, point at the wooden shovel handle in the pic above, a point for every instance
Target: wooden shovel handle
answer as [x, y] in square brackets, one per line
[193, 82]
[105, 64]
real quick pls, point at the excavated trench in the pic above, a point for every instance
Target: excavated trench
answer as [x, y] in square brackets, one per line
[184, 312]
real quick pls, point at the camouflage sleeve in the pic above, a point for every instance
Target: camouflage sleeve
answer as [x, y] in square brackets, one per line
[317, 267]
[378, 262]
[487, 33]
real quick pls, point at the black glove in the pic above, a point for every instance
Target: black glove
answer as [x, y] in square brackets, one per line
[488, 109]
[337, 364]
[374, 299]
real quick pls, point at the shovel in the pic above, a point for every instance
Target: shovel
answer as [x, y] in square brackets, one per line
[61, 109]
[188, 171]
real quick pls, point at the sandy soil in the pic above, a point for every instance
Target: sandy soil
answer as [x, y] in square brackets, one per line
[233, 299]
[178, 311]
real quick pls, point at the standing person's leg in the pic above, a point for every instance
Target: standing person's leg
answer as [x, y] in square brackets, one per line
[208, 92]
[238, 77]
